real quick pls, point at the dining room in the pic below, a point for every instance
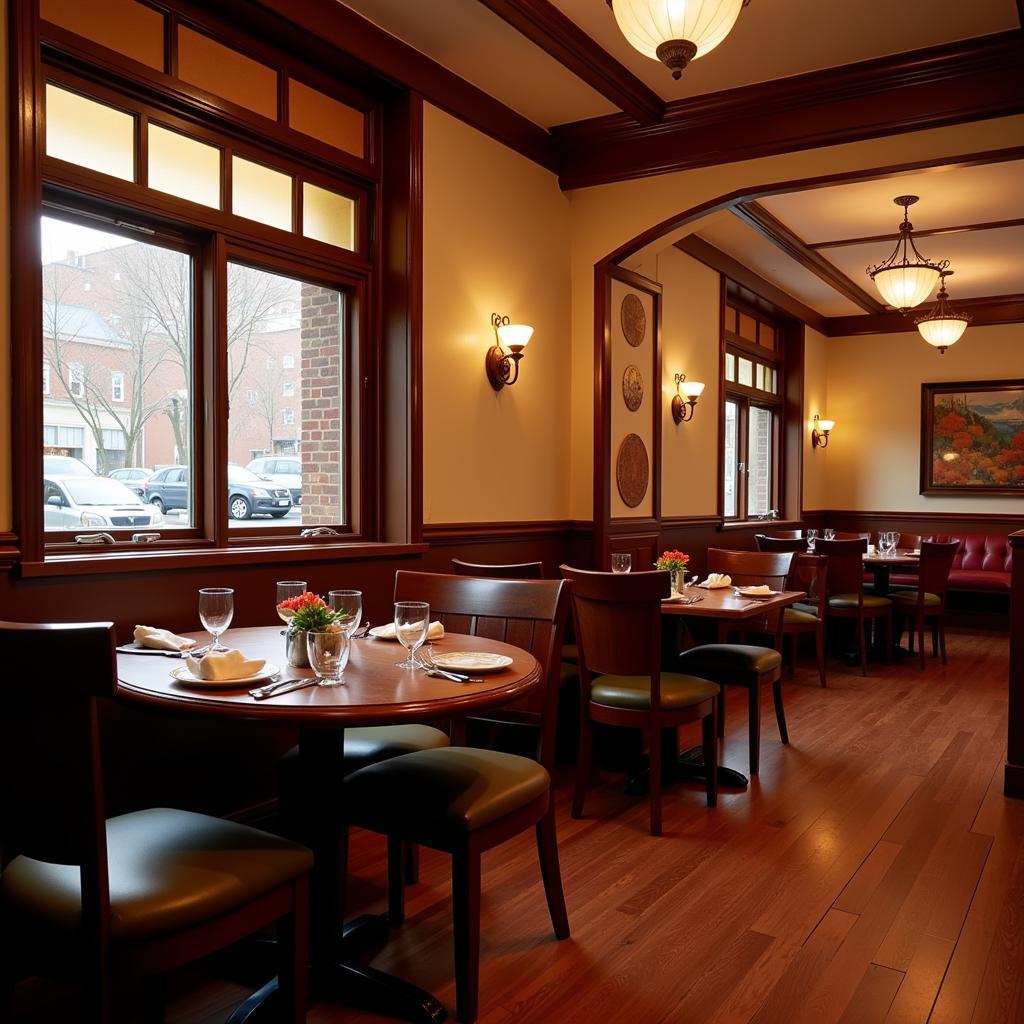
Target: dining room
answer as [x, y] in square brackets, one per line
[511, 537]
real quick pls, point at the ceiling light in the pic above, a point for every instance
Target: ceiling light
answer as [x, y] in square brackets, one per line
[942, 327]
[675, 31]
[905, 282]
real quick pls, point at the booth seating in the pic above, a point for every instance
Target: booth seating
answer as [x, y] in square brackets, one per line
[981, 564]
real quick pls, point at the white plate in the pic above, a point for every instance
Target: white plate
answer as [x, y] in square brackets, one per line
[472, 661]
[387, 632]
[745, 592]
[183, 675]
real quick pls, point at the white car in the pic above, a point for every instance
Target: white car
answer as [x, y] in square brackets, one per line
[284, 470]
[94, 503]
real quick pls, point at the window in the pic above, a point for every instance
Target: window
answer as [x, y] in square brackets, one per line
[76, 380]
[752, 414]
[46, 378]
[252, 396]
[288, 417]
[271, 361]
[117, 387]
[288, 359]
[288, 389]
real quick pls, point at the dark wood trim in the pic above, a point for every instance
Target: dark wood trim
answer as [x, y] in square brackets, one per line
[766, 224]
[10, 553]
[973, 518]
[561, 38]
[689, 522]
[986, 311]
[966, 80]
[709, 255]
[343, 29]
[993, 225]
[469, 532]
[1013, 779]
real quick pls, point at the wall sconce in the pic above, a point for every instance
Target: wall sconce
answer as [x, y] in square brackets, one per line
[682, 408]
[820, 431]
[503, 368]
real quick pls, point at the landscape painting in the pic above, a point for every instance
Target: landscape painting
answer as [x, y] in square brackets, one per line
[972, 437]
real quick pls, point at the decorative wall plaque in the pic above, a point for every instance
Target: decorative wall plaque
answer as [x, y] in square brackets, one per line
[634, 319]
[632, 387]
[632, 470]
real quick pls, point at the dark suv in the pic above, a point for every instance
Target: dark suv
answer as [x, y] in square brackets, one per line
[248, 494]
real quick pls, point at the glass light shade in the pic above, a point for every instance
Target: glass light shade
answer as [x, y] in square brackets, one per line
[825, 425]
[904, 288]
[647, 24]
[942, 333]
[693, 389]
[514, 336]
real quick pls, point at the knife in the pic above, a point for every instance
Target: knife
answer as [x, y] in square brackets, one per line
[288, 686]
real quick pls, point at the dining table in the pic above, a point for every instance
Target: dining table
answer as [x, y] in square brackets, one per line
[881, 565]
[375, 692]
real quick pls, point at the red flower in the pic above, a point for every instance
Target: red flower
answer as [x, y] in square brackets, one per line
[306, 600]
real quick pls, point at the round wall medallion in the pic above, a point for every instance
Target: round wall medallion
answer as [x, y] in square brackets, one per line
[632, 387]
[634, 319]
[632, 470]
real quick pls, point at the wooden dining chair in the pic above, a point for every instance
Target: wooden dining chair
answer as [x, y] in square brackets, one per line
[808, 573]
[508, 571]
[846, 596]
[618, 629]
[98, 900]
[463, 800]
[767, 542]
[927, 603]
[786, 534]
[748, 665]
[840, 535]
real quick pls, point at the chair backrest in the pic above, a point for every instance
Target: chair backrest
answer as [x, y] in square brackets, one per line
[785, 534]
[517, 571]
[530, 614]
[810, 574]
[51, 780]
[767, 542]
[936, 563]
[852, 536]
[909, 541]
[845, 563]
[752, 568]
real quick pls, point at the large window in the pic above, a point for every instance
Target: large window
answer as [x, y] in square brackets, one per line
[753, 374]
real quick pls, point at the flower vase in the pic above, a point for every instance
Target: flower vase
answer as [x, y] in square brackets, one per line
[677, 578]
[295, 648]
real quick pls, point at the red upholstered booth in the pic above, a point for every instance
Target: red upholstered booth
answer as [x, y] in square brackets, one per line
[982, 564]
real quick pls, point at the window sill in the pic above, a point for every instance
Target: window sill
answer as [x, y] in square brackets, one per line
[138, 561]
[761, 524]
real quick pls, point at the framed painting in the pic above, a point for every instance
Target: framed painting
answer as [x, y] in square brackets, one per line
[972, 437]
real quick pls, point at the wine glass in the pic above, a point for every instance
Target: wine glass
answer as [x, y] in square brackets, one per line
[412, 620]
[812, 538]
[828, 533]
[350, 604]
[622, 561]
[328, 652]
[216, 607]
[287, 589]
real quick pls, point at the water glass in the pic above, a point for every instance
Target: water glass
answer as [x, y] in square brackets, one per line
[216, 608]
[350, 604]
[412, 621]
[812, 537]
[622, 561]
[287, 589]
[328, 655]
[828, 533]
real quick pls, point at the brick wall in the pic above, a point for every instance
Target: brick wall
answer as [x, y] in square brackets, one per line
[321, 406]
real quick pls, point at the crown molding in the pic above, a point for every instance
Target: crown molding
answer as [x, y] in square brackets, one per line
[985, 312]
[894, 236]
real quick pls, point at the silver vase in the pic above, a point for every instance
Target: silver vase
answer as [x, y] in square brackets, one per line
[295, 648]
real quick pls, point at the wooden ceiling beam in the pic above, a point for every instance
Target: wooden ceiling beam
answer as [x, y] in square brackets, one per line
[986, 311]
[892, 236]
[561, 38]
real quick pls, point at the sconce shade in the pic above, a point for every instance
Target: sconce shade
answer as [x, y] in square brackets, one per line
[514, 336]
[826, 425]
[693, 389]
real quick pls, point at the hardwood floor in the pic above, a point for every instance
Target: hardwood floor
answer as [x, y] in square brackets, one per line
[873, 873]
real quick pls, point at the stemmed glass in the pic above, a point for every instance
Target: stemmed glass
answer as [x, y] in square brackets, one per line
[812, 537]
[287, 589]
[350, 604]
[216, 607]
[328, 655]
[412, 621]
[622, 561]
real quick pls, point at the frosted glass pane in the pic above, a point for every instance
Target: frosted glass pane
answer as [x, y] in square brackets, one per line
[126, 26]
[182, 167]
[746, 372]
[89, 134]
[258, 193]
[328, 217]
[730, 366]
[226, 72]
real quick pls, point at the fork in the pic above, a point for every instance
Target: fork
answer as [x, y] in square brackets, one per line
[426, 656]
[364, 634]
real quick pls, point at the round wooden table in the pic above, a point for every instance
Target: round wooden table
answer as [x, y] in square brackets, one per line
[375, 692]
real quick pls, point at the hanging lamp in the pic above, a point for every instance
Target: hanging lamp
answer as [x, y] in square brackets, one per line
[906, 278]
[942, 327]
[675, 31]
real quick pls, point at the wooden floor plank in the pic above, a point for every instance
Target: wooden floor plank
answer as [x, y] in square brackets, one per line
[873, 996]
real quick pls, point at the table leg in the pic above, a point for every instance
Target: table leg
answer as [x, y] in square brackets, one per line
[687, 766]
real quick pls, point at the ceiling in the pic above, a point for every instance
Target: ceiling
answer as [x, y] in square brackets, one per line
[470, 40]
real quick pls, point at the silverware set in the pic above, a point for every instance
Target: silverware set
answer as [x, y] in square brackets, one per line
[425, 656]
[282, 686]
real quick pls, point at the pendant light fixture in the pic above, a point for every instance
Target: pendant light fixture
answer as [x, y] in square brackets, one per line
[675, 31]
[942, 327]
[906, 278]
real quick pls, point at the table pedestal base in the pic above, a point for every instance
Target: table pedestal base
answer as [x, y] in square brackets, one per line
[685, 767]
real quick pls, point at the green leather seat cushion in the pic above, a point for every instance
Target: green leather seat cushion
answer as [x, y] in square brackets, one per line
[441, 795]
[374, 743]
[634, 692]
[850, 601]
[802, 606]
[797, 616]
[727, 662]
[169, 870]
[910, 597]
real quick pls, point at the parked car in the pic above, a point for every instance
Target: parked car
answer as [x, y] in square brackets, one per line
[249, 495]
[65, 465]
[95, 502]
[283, 470]
[133, 477]
[167, 488]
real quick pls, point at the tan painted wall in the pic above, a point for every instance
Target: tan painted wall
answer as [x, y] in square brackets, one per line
[874, 395]
[607, 216]
[816, 399]
[495, 239]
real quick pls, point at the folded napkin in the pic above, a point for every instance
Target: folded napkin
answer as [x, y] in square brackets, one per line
[387, 632]
[716, 580]
[755, 591]
[225, 665]
[162, 639]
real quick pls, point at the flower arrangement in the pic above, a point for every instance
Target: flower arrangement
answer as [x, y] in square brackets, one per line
[309, 612]
[673, 561]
